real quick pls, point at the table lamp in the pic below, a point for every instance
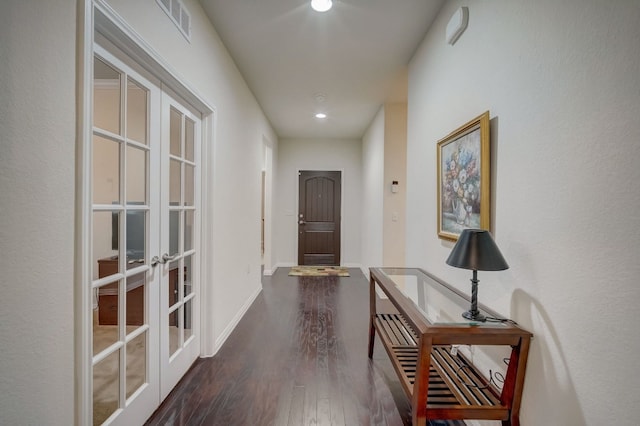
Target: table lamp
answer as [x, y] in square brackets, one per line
[477, 251]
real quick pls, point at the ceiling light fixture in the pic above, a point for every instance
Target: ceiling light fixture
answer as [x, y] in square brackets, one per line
[321, 115]
[321, 5]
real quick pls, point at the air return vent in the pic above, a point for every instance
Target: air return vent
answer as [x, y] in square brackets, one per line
[178, 14]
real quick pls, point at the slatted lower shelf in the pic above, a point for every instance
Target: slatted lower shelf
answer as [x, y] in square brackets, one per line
[454, 383]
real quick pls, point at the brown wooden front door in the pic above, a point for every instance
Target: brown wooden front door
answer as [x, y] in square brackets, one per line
[319, 218]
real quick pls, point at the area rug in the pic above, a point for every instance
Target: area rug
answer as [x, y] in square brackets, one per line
[318, 271]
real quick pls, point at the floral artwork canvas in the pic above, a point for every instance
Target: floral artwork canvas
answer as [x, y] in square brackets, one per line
[461, 164]
[463, 179]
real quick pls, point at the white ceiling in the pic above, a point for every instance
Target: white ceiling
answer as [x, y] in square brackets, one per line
[356, 55]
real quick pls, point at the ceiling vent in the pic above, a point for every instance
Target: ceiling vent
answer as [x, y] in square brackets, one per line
[178, 14]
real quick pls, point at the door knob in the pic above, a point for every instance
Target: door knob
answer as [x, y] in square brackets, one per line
[302, 222]
[166, 258]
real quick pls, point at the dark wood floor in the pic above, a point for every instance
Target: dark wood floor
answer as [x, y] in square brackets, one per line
[298, 357]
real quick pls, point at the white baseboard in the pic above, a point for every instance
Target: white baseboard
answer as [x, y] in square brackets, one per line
[234, 322]
[365, 271]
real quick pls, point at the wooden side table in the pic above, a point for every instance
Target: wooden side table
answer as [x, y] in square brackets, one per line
[420, 340]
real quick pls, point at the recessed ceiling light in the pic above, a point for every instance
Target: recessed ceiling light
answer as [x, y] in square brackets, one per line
[321, 5]
[321, 115]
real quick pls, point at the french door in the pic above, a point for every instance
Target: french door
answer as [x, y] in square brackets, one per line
[179, 337]
[145, 257]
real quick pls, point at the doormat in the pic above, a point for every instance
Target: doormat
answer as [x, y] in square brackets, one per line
[318, 271]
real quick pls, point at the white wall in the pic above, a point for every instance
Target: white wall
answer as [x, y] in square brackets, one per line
[395, 169]
[314, 154]
[240, 130]
[384, 157]
[372, 193]
[37, 134]
[561, 80]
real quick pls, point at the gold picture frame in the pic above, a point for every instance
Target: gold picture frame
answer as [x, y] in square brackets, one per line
[464, 181]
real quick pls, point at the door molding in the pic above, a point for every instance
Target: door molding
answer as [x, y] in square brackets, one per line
[116, 30]
[98, 20]
[267, 146]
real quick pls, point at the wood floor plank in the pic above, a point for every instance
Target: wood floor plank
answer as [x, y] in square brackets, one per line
[323, 410]
[297, 357]
[297, 407]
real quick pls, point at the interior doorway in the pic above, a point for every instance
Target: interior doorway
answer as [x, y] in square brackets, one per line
[320, 194]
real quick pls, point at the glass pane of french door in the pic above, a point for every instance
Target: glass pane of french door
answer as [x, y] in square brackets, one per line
[124, 211]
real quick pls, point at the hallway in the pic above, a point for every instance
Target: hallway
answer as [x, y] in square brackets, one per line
[297, 357]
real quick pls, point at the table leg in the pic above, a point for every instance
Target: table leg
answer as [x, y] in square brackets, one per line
[372, 336]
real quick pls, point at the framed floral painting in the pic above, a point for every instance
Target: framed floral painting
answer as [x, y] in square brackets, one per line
[464, 179]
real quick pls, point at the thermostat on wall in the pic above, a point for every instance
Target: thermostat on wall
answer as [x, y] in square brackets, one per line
[457, 24]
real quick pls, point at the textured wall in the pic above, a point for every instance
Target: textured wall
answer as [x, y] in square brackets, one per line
[562, 83]
[37, 155]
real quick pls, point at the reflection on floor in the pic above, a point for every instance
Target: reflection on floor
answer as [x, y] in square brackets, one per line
[106, 373]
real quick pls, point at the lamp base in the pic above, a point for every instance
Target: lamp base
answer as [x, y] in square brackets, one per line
[474, 316]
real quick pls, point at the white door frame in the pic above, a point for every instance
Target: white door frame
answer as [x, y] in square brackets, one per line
[268, 205]
[97, 19]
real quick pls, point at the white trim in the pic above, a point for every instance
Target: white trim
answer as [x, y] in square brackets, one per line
[236, 319]
[269, 272]
[208, 181]
[124, 37]
[365, 271]
[82, 271]
[267, 194]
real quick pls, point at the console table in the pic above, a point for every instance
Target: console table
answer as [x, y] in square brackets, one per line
[421, 338]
